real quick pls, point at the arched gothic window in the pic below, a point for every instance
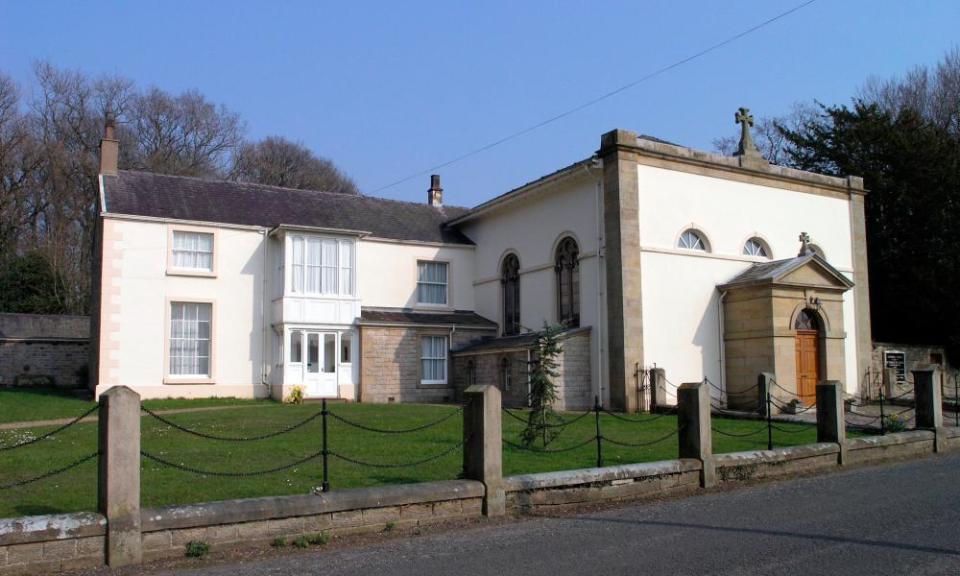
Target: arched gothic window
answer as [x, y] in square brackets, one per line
[510, 280]
[807, 320]
[693, 240]
[506, 374]
[567, 267]
[756, 247]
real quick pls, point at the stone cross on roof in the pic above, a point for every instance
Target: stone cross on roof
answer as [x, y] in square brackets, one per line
[804, 244]
[746, 147]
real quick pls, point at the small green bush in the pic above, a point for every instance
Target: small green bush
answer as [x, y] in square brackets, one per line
[390, 526]
[320, 539]
[279, 542]
[197, 549]
[301, 542]
[895, 423]
[296, 395]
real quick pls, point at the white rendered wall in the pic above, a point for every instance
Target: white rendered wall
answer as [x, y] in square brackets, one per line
[680, 316]
[532, 228]
[136, 295]
[387, 274]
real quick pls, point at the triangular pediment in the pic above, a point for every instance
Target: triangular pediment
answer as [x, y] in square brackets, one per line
[814, 273]
[809, 270]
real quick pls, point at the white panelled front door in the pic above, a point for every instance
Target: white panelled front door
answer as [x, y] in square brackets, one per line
[320, 366]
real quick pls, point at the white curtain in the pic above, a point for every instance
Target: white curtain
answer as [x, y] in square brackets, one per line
[193, 250]
[346, 268]
[433, 358]
[313, 265]
[190, 338]
[432, 282]
[298, 263]
[329, 266]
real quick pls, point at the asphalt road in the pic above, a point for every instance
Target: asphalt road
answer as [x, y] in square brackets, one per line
[895, 519]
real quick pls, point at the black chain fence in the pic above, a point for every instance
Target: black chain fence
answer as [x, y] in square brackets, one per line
[49, 435]
[598, 438]
[323, 453]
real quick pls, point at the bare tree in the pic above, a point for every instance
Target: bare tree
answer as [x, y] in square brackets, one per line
[933, 92]
[184, 134]
[280, 162]
[19, 159]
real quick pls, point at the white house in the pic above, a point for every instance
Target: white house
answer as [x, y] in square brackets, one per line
[649, 253]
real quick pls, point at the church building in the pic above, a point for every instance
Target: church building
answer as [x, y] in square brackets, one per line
[647, 253]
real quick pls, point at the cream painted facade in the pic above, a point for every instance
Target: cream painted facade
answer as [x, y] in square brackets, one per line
[682, 315]
[646, 301]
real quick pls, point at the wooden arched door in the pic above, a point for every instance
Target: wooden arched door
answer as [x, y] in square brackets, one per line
[808, 355]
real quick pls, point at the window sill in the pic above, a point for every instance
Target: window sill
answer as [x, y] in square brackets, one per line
[188, 380]
[188, 272]
[433, 384]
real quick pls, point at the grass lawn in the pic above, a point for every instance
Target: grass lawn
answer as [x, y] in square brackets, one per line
[25, 404]
[76, 490]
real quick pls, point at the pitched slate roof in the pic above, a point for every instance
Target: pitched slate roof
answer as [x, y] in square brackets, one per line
[777, 269]
[222, 201]
[523, 341]
[370, 316]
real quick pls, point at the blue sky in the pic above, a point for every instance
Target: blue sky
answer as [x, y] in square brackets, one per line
[387, 89]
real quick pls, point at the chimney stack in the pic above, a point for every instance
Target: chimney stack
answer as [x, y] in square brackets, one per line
[435, 193]
[109, 149]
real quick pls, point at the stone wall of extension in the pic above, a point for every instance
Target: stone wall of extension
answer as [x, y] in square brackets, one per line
[54, 543]
[390, 363]
[573, 380]
[44, 350]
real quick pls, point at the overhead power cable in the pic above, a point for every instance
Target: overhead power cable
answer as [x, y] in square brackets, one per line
[598, 99]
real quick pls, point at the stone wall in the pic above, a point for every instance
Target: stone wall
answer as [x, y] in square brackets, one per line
[573, 381]
[48, 544]
[917, 356]
[45, 544]
[390, 363]
[44, 350]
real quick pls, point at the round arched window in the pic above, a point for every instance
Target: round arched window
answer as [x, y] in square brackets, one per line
[693, 240]
[756, 247]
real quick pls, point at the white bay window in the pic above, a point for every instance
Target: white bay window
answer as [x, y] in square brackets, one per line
[322, 266]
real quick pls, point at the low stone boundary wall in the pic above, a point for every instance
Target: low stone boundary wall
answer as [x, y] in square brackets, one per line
[792, 461]
[259, 520]
[627, 482]
[54, 543]
[899, 446]
[125, 534]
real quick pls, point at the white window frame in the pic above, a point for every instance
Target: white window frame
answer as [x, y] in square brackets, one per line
[764, 250]
[704, 244]
[445, 358]
[446, 285]
[302, 269]
[209, 378]
[174, 270]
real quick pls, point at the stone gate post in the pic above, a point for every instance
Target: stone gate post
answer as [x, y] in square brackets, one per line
[831, 427]
[658, 389]
[483, 448]
[929, 403]
[118, 494]
[695, 433]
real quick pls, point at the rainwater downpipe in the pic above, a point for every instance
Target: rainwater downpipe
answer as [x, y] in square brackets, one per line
[601, 283]
[723, 348]
[263, 315]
